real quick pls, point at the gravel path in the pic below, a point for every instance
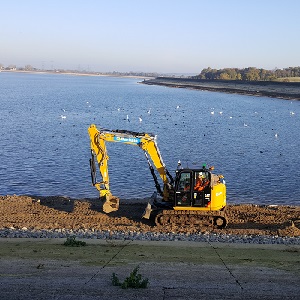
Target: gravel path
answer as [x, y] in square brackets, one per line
[137, 236]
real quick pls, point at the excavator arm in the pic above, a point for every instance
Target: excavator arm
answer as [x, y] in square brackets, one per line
[146, 142]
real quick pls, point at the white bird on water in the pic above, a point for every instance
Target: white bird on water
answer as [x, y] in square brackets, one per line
[140, 119]
[63, 117]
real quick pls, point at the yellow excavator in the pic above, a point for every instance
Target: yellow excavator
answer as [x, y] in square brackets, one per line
[193, 196]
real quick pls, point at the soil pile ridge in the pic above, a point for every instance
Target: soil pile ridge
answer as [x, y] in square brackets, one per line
[30, 212]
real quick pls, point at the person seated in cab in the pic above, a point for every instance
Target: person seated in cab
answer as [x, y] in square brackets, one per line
[187, 187]
[201, 182]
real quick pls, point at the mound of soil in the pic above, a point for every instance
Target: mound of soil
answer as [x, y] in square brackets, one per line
[61, 212]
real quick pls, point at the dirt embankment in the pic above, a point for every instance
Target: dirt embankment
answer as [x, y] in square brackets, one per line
[60, 212]
[282, 90]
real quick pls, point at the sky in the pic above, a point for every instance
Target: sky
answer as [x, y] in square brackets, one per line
[163, 36]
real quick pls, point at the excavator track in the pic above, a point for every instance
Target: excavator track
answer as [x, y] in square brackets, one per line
[198, 218]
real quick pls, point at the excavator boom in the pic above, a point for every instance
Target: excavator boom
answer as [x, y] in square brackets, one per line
[147, 142]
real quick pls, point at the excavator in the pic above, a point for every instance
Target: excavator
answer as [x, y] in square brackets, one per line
[194, 196]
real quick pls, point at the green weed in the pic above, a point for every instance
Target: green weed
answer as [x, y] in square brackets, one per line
[134, 280]
[71, 242]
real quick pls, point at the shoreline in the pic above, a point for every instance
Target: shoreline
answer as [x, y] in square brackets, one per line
[272, 89]
[78, 74]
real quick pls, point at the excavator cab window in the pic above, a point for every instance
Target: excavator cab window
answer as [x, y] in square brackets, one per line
[183, 189]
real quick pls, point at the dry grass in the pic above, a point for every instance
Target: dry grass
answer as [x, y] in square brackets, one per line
[288, 79]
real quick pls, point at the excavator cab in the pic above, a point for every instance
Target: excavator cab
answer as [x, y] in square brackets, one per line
[199, 200]
[193, 188]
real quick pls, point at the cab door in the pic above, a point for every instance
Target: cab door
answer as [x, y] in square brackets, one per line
[202, 189]
[183, 193]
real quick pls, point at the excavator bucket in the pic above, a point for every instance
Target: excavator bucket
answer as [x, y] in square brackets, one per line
[147, 211]
[111, 203]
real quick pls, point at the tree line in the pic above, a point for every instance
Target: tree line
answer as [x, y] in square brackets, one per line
[248, 74]
[113, 73]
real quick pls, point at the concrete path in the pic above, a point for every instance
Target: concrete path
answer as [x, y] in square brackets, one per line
[29, 278]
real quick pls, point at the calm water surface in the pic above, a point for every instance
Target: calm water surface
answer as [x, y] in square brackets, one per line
[254, 142]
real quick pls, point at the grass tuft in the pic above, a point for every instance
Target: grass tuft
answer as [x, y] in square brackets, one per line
[71, 242]
[134, 280]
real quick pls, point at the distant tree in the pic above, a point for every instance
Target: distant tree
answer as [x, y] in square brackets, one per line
[29, 68]
[232, 73]
[263, 74]
[224, 76]
[239, 76]
[251, 74]
[248, 74]
[11, 67]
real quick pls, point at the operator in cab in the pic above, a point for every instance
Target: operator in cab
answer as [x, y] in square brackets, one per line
[201, 182]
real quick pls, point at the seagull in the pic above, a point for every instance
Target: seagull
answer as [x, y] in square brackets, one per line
[177, 106]
[276, 135]
[245, 125]
[149, 111]
[63, 117]
[140, 119]
[212, 112]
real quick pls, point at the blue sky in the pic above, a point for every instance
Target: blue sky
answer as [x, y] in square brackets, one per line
[165, 36]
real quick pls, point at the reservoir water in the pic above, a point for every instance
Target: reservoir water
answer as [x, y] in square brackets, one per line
[253, 141]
